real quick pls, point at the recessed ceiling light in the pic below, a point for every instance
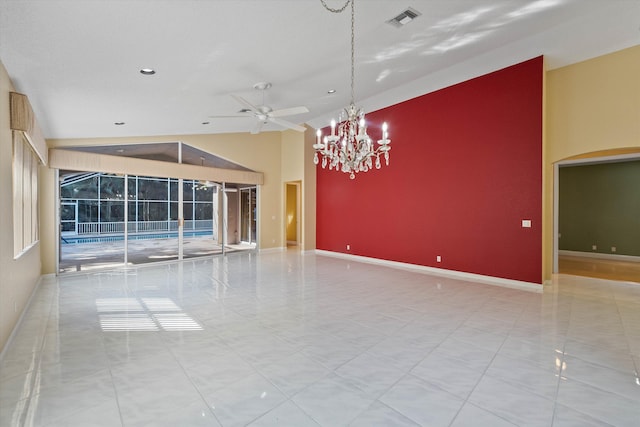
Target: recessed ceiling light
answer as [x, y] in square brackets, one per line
[331, 91]
[118, 123]
[147, 71]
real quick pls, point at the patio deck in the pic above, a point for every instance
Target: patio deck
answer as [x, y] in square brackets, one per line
[88, 256]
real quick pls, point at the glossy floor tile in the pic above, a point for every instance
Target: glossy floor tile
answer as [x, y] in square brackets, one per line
[285, 339]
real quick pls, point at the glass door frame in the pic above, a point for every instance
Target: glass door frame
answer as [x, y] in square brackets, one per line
[75, 216]
[220, 212]
[252, 209]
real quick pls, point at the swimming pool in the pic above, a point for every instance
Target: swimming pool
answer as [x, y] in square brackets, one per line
[146, 236]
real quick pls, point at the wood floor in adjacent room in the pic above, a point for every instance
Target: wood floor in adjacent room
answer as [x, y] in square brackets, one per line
[626, 271]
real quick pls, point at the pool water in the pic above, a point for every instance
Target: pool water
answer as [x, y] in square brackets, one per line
[145, 236]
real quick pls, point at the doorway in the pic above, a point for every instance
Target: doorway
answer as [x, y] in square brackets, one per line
[595, 225]
[292, 214]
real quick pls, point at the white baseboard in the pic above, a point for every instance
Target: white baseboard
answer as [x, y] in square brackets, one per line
[489, 280]
[12, 336]
[271, 250]
[614, 257]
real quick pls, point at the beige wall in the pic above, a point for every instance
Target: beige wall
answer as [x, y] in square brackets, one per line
[293, 172]
[18, 277]
[592, 108]
[293, 155]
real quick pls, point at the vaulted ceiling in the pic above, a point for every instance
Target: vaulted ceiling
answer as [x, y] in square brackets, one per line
[79, 61]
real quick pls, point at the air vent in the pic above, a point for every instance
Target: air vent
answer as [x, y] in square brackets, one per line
[404, 18]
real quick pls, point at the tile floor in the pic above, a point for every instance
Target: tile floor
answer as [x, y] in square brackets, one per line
[98, 255]
[284, 339]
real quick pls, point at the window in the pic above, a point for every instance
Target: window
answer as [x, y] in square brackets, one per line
[25, 195]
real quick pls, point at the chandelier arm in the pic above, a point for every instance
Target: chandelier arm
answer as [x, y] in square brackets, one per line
[335, 10]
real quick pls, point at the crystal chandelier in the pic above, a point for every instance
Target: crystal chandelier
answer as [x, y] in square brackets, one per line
[349, 148]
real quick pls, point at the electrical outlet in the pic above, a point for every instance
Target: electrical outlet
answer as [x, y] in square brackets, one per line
[594, 248]
[613, 249]
[438, 258]
[348, 247]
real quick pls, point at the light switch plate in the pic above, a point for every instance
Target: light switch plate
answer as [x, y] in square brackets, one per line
[526, 223]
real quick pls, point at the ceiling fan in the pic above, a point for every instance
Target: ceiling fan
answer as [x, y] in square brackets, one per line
[265, 114]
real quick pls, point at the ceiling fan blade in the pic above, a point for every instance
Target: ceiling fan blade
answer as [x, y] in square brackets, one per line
[258, 127]
[246, 103]
[289, 111]
[287, 124]
[230, 117]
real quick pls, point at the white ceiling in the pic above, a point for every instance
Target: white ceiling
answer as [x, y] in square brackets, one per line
[79, 60]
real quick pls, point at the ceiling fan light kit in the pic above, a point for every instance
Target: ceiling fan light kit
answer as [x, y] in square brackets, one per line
[262, 86]
[349, 148]
[265, 114]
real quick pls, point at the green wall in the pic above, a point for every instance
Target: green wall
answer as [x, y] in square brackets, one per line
[600, 205]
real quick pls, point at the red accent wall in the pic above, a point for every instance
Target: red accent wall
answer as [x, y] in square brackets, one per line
[465, 170]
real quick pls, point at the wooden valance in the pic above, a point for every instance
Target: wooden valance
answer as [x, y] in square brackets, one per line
[23, 120]
[21, 113]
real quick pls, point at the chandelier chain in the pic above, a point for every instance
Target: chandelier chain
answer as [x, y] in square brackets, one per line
[353, 38]
[353, 49]
[335, 10]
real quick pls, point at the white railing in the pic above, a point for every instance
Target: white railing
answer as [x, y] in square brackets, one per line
[158, 226]
[198, 224]
[100, 227]
[142, 226]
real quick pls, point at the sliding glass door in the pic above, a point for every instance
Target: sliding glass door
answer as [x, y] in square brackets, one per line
[152, 219]
[108, 220]
[91, 221]
[248, 210]
[201, 212]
